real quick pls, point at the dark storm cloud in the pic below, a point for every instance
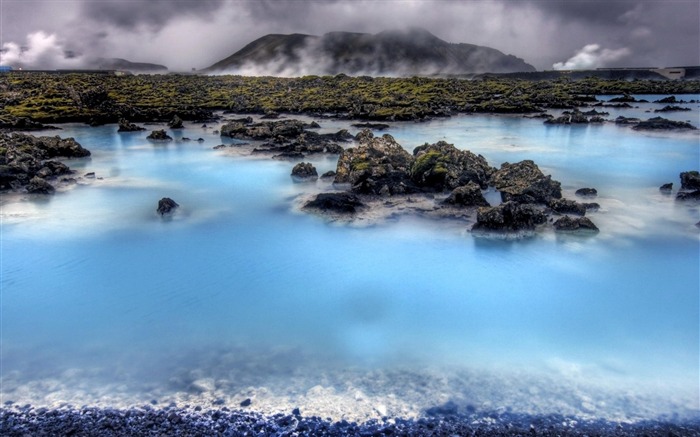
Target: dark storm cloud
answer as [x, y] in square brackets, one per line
[188, 33]
[152, 13]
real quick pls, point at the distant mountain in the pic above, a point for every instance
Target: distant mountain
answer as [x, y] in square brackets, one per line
[395, 53]
[123, 64]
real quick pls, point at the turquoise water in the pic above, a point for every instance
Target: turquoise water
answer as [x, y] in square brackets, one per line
[95, 283]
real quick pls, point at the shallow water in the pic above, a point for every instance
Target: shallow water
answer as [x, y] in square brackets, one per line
[240, 295]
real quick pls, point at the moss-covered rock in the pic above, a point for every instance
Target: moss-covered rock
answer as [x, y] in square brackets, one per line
[524, 182]
[441, 166]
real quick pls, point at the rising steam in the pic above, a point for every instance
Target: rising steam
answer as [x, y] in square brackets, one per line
[592, 56]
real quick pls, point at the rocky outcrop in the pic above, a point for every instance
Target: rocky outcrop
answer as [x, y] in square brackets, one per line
[659, 123]
[441, 166]
[626, 120]
[690, 180]
[508, 217]
[569, 224]
[573, 117]
[565, 206]
[672, 108]
[330, 174]
[38, 185]
[379, 165]
[467, 195]
[23, 157]
[175, 123]
[304, 172]
[166, 206]
[126, 126]
[524, 182]
[375, 126]
[666, 188]
[159, 135]
[340, 203]
[586, 192]
[8, 122]
[688, 195]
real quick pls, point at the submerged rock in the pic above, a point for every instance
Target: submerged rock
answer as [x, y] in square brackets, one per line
[524, 182]
[304, 172]
[126, 126]
[467, 195]
[509, 217]
[343, 203]
[175, 123]
[659, 123]
[166, 206]
[38, 185]
[587, 192]
[570, 224]
[159, 135]
[566, 206]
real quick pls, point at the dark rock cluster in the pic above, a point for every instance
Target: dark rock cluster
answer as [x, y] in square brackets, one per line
[28, 162]
[159, 135]
[287, 139]
[446, 420]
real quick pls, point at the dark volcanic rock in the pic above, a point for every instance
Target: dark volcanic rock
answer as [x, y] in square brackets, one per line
[570, 224]
[690, 180]
[343, 203]
[659, 123]
[524, 182]
[626, 98]
[175, 123]
[669, 99]
[377, 126]
[467, 195]
[166, 205]
[379, 165]
[672, 108]
[22, 123]
[688, 195]
[509, 217]
[126, 126]
[24, 156]
[575, 117]
[328, 175]
[38, 185]
[304, 172]
[565, 206]
[666, 188]
[626, 120]
[159, 135]
[587, 192]
[442, 166]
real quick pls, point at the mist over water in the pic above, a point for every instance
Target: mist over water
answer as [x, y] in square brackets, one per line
[240, 295]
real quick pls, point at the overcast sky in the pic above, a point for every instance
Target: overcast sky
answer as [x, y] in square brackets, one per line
[185, 34]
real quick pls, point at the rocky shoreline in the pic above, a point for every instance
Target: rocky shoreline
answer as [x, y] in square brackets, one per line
[20, 421]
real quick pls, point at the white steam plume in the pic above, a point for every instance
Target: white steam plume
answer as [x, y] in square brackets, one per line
[42, 51]
[591, 56]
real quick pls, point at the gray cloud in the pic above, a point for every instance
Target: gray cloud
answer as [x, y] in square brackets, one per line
[184, 34]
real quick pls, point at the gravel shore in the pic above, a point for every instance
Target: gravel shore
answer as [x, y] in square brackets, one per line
[25, 420]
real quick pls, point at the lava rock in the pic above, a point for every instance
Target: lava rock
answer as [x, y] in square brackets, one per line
[375, 126]
[672, 108]
[467, 195]
[565, 206]
[175, 123]
[442, 166]
[166, 206]
[304, 172]
[343, 203]
[626, 120]
[688, 195]
[159, 135]
[524, 182]
[509, 217]
[38, 185]
[587, 192]
[659, 123]
[379, 165]
[574, 117]
[690, 180]
[330, 174]
[126, 126]
[570, 224]
[666, 188]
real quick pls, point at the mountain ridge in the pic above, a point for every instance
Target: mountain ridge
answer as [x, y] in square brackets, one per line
[414, 51]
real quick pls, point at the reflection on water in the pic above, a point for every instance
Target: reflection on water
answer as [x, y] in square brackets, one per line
[103, 302]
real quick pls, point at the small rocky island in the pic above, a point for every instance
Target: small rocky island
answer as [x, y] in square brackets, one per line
[443, 181]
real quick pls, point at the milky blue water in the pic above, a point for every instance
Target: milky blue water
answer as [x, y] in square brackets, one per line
[93, 278]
